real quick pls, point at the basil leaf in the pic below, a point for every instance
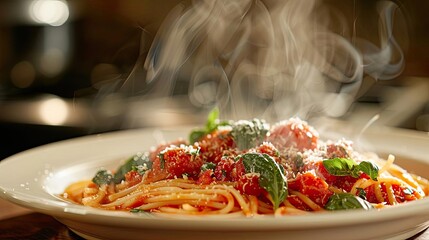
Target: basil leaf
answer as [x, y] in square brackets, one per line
[211, 125]
[344, 201]
[137, 210]
[208, 166]
[212, 118]
[271, 176]
[196, 135]
[369, 168]
[348, 167]
[248, 134]
[139, 162]
[140, 212]
[161, 158]
[339, 166]
[361, 193]
[102, 177]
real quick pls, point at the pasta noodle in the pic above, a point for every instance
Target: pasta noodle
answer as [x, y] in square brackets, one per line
[248, 168]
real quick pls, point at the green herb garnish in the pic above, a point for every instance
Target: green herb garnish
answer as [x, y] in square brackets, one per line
[211, 125]
[248, 134]
[361, 193]
[271, 177]
[344, 201]
[348, 167]
[208, 166]
[102, 177]
[136, 210]
[140, 212]
[162, 160]
[139, 162]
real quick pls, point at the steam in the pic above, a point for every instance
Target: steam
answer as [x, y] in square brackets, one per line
[269, 59]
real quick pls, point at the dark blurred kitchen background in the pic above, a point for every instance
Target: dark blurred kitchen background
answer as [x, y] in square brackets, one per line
[61, 61]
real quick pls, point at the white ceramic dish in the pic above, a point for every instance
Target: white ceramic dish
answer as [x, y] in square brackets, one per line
[32, 178]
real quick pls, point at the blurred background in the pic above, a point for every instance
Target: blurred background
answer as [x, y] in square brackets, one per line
[62, 63]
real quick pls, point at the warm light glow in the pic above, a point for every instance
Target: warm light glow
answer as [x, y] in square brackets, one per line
[23, 74]
[51, 12]
[54, 111]
[52, 62]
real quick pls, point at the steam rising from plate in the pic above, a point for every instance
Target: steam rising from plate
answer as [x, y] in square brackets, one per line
[268, 59]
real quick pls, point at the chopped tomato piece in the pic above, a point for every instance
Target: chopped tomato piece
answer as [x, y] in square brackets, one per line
[313, 187]
[181, 160]
[343, 182]
[155, 151]
[175, 162]
[401, 194]
[321, 172]
[214, 144]
[249, 184]
[225, 170]
[133, 177]
[206, 177]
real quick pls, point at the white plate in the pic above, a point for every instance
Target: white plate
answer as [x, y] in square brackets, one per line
[33, 178]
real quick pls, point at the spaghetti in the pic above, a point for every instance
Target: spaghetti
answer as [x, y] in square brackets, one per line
[249, 168]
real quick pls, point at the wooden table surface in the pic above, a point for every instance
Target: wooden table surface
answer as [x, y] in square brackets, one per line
[20, 223]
